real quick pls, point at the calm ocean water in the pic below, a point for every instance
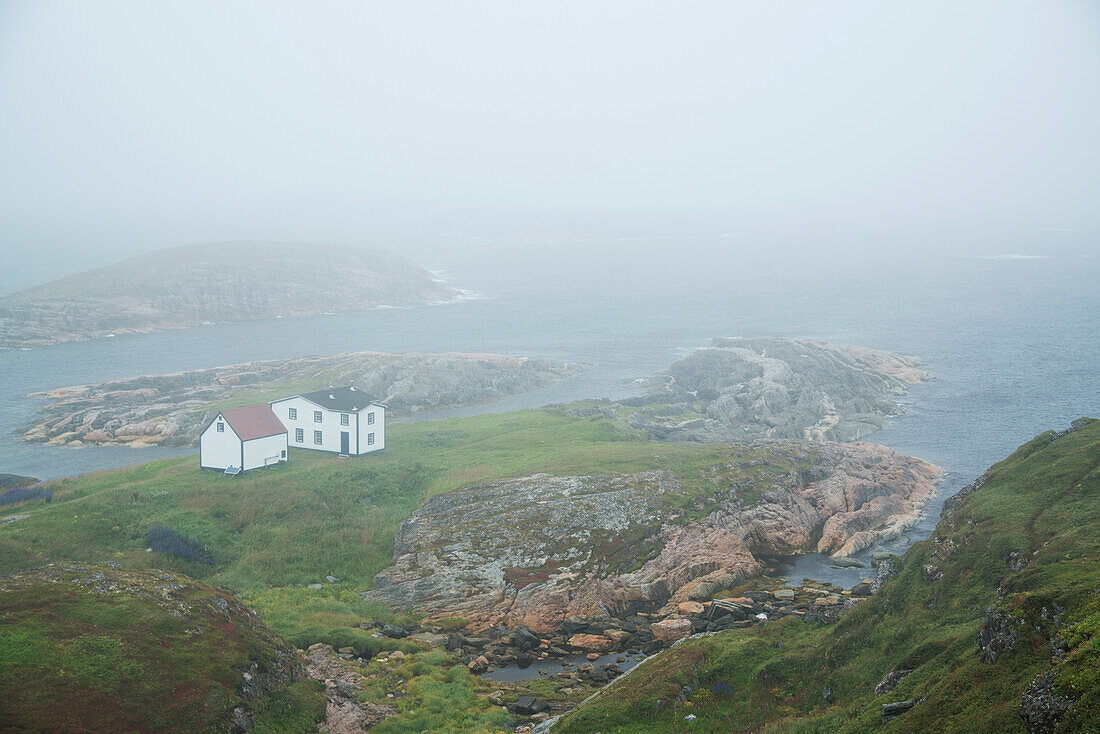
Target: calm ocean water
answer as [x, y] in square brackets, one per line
[1014, 342]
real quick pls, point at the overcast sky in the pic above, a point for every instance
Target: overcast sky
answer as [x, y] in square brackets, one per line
[127, 126]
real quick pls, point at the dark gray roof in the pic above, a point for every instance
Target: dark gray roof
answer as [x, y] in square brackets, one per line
[346, 399]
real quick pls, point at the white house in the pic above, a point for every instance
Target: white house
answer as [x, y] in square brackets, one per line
[342, 420]
[240, 439]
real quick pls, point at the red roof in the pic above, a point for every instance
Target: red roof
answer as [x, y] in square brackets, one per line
[253, 421]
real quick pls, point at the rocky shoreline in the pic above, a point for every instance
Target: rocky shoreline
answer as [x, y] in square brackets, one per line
[745, 389]
[622, 638]
[539, 550]
[172, 409]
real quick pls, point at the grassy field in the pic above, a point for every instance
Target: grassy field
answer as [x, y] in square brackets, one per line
[1026, 545]
[271, 532]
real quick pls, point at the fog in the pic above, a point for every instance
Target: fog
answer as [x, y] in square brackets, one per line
[431, 128]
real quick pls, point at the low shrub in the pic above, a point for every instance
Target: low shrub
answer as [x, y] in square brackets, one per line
[22, 494]
[165, 540]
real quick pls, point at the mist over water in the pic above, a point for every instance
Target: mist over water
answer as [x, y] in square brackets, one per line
[608, 184]
[1012, 342]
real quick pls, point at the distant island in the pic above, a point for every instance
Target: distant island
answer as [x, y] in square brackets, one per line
[190, 285]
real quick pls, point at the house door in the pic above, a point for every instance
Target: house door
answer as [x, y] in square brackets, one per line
[345, 442]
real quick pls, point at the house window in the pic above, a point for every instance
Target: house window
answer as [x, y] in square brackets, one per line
[370, 439]
[282, 454]
[293, 413]
[344, 419]
[370, 419]
[316, 416]
[299, 435]
[221, 428]
[317, 438]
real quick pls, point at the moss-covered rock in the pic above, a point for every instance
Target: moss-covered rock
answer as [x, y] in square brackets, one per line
[93, 647]
[536, 550]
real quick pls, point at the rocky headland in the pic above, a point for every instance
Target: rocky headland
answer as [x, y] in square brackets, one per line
[233, 281]
[987, 626]
[172, 409]
[539, 550]
[744, 389]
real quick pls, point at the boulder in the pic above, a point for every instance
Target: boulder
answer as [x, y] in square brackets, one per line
[845, 562]
[430, 639]
[478, 665]
[728, 622]
[590, 643]
[529, 706]
[574, 624]
[524, 638]
[739, 608]
[891, 711]
[690, 608]
[617, 636]
[784, 594]
[390, 630]
[671, 630]
[863, 588]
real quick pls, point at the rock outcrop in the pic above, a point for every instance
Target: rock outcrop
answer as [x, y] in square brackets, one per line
[344, 713]
[744, 389]
[537, 550]
[232, 281]
[172, 409]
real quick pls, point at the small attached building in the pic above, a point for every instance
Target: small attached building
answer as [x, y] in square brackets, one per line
[241, 439]
[342, 420]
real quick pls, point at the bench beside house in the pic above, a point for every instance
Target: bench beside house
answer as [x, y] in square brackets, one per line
[242, 439]
[340, 420]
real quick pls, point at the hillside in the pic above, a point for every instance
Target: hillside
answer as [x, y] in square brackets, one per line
[194, 284]
[91, 647]
[990, 626]
[172, 409]
[271, 533]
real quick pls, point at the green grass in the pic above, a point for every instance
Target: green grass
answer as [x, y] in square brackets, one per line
[441, 695]
[1042, 503]
[138, 652]
[274, 531]
[298, 708]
